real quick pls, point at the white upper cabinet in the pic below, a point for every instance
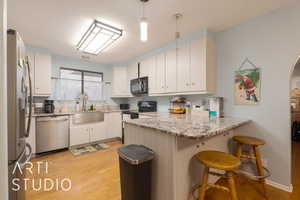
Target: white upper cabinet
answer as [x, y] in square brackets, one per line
[183, 68]
[147, 68]
[42, 75]
[133, 71]
[120, 85]
[160, 73]
[203, 65]
[171, 71]
[187, 69]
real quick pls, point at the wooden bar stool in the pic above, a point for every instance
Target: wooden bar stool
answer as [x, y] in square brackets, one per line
[254, 143]
[220, 161]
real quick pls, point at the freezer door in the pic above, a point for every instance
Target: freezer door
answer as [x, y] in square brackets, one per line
[16, 177]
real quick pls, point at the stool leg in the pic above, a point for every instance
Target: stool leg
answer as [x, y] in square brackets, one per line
[239, 151]
[204, 184]
[232, 188]
[260, 168]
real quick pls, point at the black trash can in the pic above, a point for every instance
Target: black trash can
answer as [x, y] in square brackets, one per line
[135, 171]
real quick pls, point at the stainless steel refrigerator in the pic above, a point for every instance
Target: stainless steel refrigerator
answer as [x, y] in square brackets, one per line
[19, 99]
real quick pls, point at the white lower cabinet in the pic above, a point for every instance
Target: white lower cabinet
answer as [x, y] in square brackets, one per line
[98, 132]
[83, 134]
[111, 127]
[79, 135]
[114, 124]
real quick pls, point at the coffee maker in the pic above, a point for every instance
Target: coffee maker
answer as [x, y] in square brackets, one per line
[49, 106]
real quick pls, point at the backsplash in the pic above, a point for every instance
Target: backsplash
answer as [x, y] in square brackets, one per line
[163, 103]
[69, 106]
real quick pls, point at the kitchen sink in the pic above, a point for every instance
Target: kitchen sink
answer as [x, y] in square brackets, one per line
[87, 117]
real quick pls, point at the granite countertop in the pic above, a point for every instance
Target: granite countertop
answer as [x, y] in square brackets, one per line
[72, 113]
[190, 126]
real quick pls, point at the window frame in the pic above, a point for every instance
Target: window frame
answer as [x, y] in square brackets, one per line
[82, 75]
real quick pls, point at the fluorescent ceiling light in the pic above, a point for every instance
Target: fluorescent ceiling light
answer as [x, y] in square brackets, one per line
[98, 37]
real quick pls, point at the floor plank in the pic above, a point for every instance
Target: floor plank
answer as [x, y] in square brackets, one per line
[95, 176]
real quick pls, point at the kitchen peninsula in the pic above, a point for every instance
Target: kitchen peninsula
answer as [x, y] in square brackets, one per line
[175, 140]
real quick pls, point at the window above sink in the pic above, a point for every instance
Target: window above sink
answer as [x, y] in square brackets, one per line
[72, 83]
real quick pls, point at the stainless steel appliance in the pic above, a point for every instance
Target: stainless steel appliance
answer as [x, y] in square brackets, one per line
[49, 106]
[144, 106]
[19, 98]
[52, 133]
[139, 86]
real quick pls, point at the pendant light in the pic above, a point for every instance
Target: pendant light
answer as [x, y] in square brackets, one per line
[177, 16]
[143, 24]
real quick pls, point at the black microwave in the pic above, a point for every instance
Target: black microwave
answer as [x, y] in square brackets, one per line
[139, 86]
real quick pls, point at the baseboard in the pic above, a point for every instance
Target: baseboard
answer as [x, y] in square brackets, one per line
[280, 186]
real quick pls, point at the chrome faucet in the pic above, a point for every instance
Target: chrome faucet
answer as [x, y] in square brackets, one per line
[83, 99]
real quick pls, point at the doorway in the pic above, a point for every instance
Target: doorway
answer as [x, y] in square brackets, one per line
[295, 128]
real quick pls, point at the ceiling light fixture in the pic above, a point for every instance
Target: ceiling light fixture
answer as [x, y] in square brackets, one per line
[98, 37]
[143, 24]
[177, 16]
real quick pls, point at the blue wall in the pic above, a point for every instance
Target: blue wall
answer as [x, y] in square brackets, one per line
[272, 42]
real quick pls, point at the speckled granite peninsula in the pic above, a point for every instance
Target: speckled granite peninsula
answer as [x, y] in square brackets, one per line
[191, 126]
[176, 139]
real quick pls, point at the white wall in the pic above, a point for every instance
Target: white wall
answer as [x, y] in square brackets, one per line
[3, 104]
[272, 42]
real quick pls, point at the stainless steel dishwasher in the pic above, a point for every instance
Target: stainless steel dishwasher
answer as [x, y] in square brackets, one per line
[52, 133]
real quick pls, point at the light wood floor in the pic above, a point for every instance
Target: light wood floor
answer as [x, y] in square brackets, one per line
[95, 176]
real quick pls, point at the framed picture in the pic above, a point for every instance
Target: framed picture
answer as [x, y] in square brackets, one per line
[247, 85]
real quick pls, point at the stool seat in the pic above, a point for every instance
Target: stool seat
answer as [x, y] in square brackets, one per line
[249, 140]
[219, 160]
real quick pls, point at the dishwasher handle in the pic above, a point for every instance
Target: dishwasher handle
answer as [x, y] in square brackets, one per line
[54, 118]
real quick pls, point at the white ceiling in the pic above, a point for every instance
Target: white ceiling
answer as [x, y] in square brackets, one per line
[59, 24]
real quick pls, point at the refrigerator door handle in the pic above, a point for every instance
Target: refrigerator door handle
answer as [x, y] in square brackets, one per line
[28, 157]
[30, 97]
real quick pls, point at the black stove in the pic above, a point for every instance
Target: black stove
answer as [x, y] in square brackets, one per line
[143, 106]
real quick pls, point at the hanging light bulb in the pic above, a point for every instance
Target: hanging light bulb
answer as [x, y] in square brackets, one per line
[144, 30]
[143, 24]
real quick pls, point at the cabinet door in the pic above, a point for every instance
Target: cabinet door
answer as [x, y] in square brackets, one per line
[113, 125]
[183, 67]
[198, 65]
[171, 71]
[42, 74]
[133, 71]
[148, 69]
[144, 67]
[79, 135]
[119, 80]
[160, 73]
[97, 132]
